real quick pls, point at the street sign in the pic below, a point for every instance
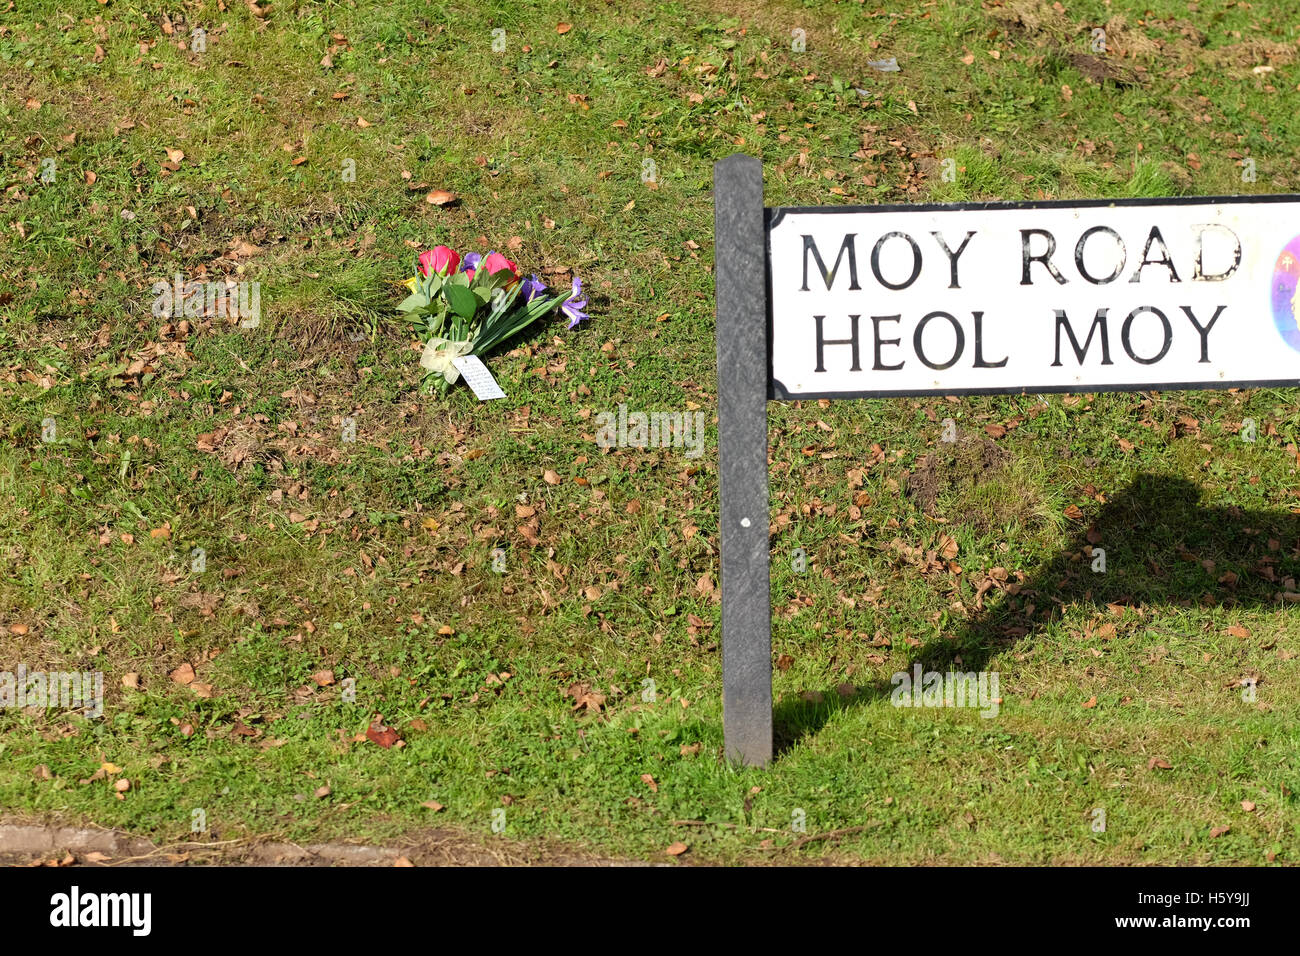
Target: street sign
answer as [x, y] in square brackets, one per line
[978, 298]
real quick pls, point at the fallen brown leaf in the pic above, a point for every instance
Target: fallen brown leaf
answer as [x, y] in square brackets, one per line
[183, 674]
[384, 736]
[585, 697]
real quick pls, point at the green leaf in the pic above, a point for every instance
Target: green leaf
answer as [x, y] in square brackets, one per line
[463, 302]
[509, 322]
[412, 303]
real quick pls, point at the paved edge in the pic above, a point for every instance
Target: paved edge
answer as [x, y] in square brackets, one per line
[34, 844]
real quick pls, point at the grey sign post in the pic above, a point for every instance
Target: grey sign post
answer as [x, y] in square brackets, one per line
[740, 275]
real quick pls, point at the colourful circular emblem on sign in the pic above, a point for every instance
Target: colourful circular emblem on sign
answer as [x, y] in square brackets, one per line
[1286, 294]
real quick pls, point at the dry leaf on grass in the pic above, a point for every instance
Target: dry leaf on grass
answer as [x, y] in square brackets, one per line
[183, 674]
[384, 736]
[585, 697]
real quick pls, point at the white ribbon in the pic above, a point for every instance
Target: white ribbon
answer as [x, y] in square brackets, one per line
[438, 354]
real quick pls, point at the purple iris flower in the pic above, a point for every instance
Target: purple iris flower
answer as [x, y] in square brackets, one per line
[531, 288]
[574, 306]
[470, 263]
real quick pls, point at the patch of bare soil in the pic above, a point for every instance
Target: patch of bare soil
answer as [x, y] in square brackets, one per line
[41, 845]
[1182, 52]
[963, 465]
[1099, 69]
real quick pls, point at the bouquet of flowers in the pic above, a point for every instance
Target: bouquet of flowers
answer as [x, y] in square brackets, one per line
[465, 307]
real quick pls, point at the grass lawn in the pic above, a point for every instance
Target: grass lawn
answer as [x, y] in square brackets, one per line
[535, 617]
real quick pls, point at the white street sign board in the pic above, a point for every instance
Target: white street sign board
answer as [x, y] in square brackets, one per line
[1034, 297]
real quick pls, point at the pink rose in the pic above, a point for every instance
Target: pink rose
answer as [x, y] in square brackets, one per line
[439, 259]
[495, 262]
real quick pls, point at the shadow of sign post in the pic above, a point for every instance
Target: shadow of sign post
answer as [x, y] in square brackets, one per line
[1162, 546]
[969, 299]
